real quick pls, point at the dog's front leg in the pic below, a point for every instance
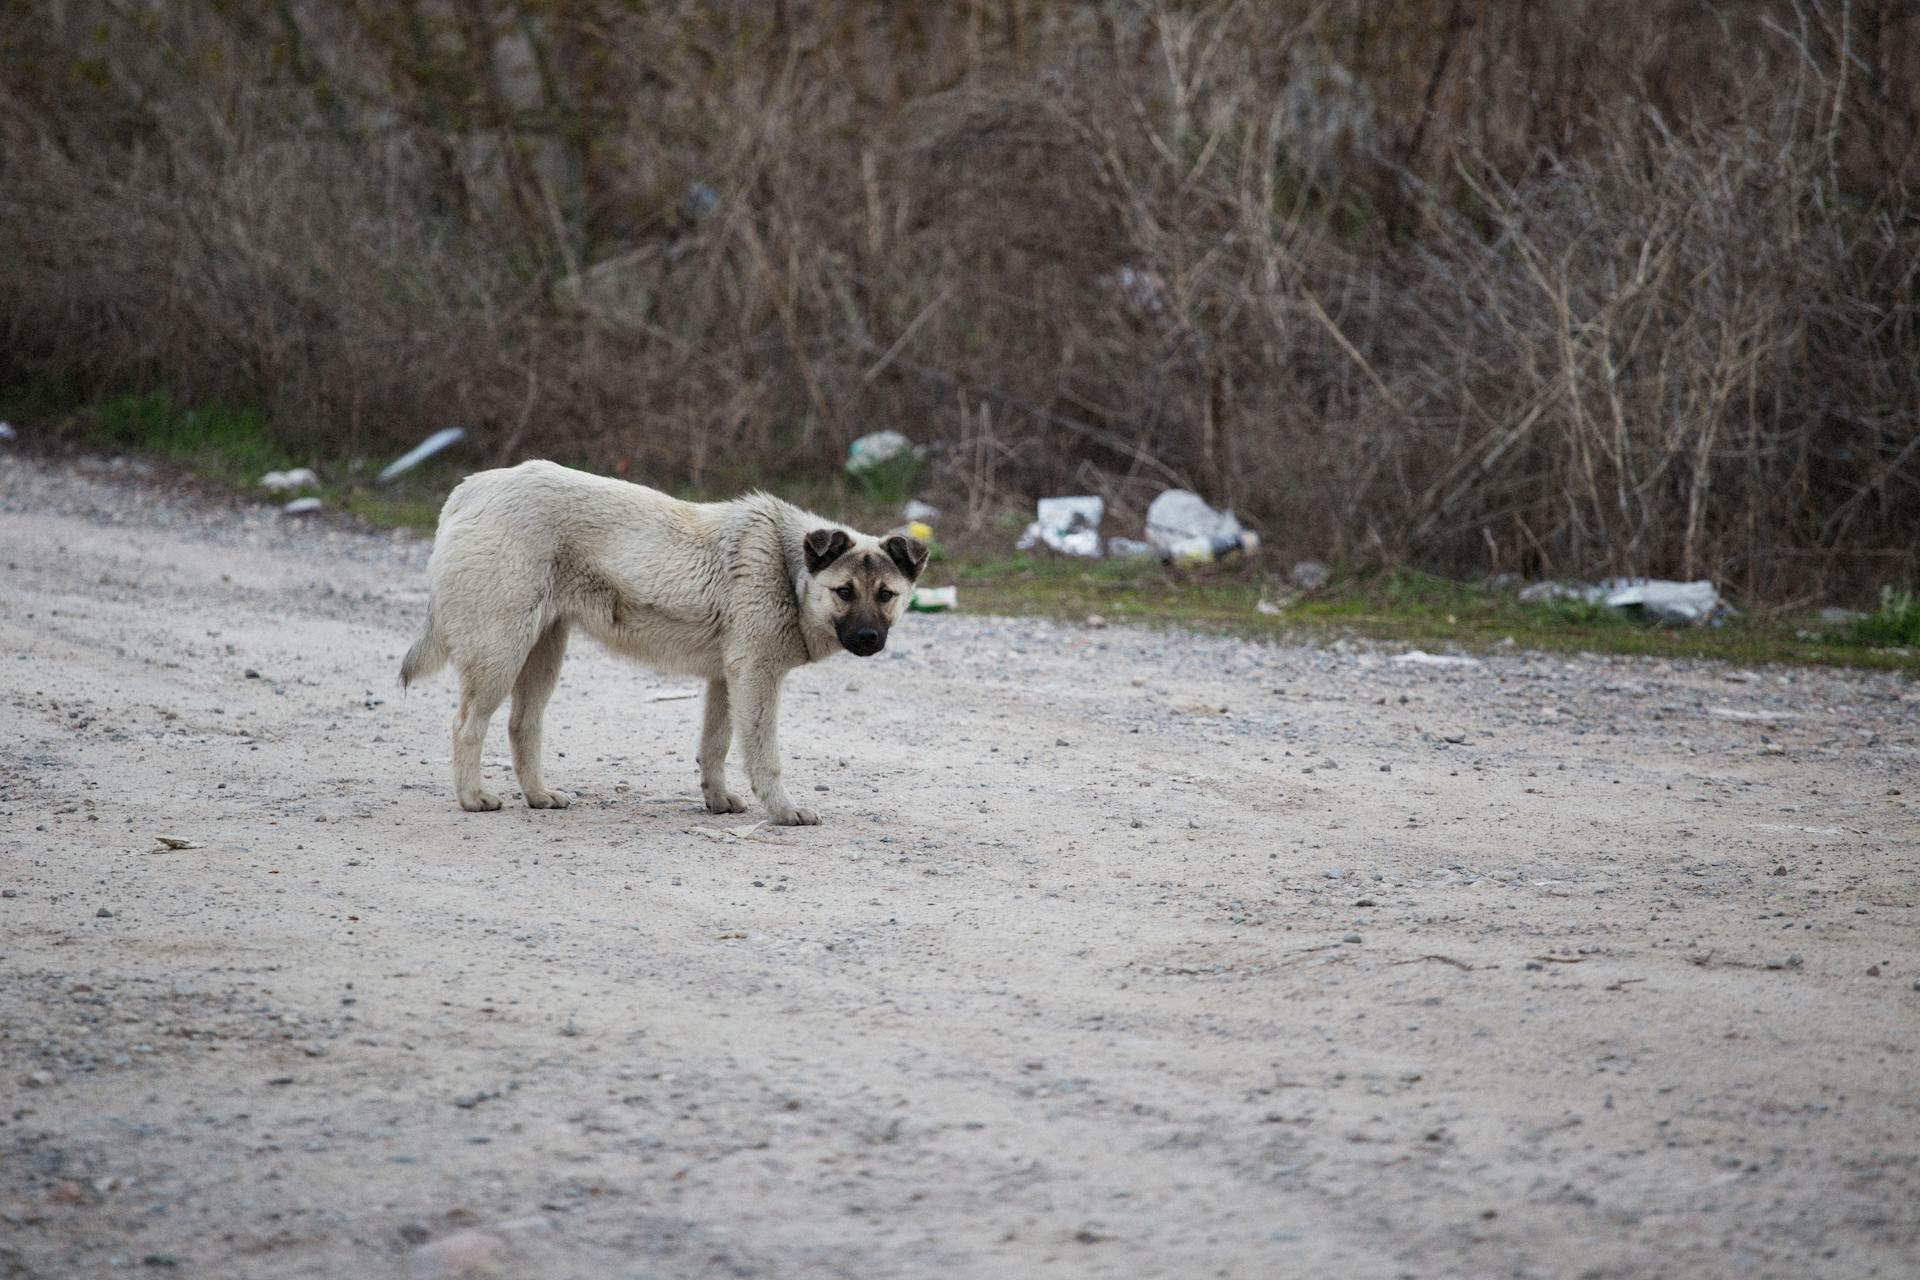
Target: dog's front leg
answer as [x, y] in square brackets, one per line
[755, 697]
[716, 733]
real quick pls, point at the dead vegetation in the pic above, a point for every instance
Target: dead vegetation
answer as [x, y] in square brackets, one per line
[1536, 287]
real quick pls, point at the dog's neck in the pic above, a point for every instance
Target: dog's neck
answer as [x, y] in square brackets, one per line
[821, 642]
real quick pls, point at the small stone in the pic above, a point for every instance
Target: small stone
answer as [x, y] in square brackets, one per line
[1794, 961]
[103, 914]
[1061, 742]
[1137, 824]
[1386, 768]
[252, 674]
[67, 1191]
[37, 1079]
[819, 786]
[1351, 937]
[456, 1257]
[1366, 902]
[159, 1260]
[1455, 738]
[1873, 971]
[1780, 870]
[1095, 621]
[1535, 966]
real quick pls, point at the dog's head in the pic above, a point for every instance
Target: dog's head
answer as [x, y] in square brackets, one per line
[859, 585]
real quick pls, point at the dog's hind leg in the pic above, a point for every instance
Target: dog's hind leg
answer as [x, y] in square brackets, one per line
[716, 732]
[530, 693]
[489, 664]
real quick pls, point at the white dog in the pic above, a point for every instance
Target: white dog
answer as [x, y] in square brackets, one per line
[738, 593]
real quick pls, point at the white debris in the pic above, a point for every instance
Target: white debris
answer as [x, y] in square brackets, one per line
[1675, 603]
[874, 449]
[1128, 549]
[918, 510]
[934, 599]
[1310, 575]
[288, 481]
[1682, 604]
[1421, 658]
[1070, 526]
[1178, 516]
[302, 507]
[7, 433]
[413, 457]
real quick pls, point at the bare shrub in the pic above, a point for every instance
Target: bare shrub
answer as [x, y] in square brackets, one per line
[1510, 286]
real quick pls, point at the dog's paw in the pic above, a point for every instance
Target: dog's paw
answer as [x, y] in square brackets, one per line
[723, 801]
[480, 802]
[791, 817]
[548, 800]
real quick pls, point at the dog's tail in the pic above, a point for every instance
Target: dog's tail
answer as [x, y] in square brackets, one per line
[428, 655]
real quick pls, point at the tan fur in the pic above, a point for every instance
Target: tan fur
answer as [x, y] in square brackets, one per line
[736, 593]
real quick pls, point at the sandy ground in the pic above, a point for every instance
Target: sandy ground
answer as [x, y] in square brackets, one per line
[1120, 953]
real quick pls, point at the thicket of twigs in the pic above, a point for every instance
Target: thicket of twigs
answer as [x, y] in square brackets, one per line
[1560, 287]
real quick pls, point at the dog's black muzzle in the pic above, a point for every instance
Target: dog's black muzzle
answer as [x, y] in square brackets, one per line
[863, 642]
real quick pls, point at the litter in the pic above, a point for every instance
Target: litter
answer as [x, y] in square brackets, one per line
[1309, 575]
[302, 507]
[875, 449]
[934, 599]
[1179, 516]
[920, 529]
[918, 510]
[886, 464]
[7, 433]
[1187, 532]
[1128, 549]
[1421, 658]
[167, 843]
[1199, 551]
[288, 481]
[1068, 525]
[1680, 604]
[413, 457]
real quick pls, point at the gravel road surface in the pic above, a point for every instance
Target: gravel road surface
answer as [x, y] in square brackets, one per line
[1120, 953]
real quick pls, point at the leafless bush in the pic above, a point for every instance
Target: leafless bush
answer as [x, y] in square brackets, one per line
[1499, 286]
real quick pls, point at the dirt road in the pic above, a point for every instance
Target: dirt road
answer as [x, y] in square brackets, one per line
[1119, 953]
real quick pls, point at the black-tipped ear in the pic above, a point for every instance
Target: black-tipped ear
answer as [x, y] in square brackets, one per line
[824, 546]
[908, 552]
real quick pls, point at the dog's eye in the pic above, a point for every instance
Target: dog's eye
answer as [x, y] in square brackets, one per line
[845, 593]
[883, 595]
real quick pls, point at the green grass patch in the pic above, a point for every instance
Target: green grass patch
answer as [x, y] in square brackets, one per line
[229, 446]
[1397, 606]
[1895, 623]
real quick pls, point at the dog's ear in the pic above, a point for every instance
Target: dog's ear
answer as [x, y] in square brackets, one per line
[824, 546]
[908, 552]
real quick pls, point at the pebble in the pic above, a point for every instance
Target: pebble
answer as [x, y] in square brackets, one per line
[103, 914]
[463, 1254]
[1351, 937]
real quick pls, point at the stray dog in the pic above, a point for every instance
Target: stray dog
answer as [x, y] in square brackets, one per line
[738, 593]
